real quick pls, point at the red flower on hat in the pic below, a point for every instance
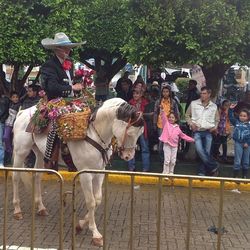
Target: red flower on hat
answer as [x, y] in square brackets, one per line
[67, 65]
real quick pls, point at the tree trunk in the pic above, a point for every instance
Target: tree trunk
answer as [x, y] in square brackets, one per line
[14, 78]
[3, 89]
[24, 78]
[213, 74]
[105, 61]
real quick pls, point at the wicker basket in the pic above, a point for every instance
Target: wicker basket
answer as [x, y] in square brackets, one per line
[73, 126]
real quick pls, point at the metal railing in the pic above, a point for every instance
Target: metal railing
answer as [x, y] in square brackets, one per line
[32, 228]
[132, 176]
[160, 177]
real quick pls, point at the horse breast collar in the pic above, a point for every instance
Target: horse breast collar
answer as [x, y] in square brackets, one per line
[95, 144]
[99, 148]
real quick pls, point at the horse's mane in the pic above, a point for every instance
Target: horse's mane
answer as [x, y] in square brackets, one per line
[124, 111]
[113, 102]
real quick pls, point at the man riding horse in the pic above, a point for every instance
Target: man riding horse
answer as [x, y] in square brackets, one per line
[57, 81]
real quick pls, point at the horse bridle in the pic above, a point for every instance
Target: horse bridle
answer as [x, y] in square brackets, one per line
[103, 151]
[131, 122]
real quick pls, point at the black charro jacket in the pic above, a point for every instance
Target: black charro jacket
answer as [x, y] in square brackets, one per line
[54, 79]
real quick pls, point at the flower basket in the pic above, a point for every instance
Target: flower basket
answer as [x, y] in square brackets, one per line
[73, 126]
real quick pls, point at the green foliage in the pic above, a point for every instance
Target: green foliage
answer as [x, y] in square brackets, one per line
[182, 83]
[23, 24]
[106, 24]
[203, 32]
[149, 24]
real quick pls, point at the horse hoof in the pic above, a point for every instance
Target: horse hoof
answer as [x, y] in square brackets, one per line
[98, 242]
[18, 216]
[78, 229]
[43, 212]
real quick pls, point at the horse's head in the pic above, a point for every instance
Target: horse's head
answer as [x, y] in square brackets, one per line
[127, 127]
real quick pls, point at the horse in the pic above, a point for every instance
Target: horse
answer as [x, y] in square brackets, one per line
[115, 118]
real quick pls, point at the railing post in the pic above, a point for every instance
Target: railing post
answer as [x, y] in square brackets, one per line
[189, 219]
[132, 211]
[5, 209]
[32, 228]
[159, 213]
[105, 210]
[61, 215]
[73, 214]
[220, 214]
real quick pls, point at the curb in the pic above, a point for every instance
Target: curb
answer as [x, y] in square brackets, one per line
[146, 180]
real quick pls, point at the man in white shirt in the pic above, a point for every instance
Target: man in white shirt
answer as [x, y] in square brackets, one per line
[202, 117]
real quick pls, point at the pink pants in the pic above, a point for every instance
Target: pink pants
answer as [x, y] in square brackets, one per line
[170, 154]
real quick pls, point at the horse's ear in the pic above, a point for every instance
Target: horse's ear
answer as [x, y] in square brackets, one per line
[125, 111]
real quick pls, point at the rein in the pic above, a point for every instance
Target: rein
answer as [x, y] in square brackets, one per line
[130, 123]
[137, 122]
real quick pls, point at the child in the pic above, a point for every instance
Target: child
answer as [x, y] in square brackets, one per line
[32, 96]
[223, 131]
[140, 103]
[168, 105]
[7, 137]
[241, 136]
[170, 137]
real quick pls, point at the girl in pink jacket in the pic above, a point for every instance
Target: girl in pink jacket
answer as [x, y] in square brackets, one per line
[170, 136]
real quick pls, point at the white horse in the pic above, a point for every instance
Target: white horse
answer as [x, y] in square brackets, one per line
[114, 118]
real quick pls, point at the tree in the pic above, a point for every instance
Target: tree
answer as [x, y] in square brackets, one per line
[105, 30]
[211, 33]
[23, 24]
[150, 23]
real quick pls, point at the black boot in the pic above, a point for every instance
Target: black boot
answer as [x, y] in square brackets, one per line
[236, 173]
[244, 173]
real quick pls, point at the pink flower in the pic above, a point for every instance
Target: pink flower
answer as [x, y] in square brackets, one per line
[41, 93]
[53, 114]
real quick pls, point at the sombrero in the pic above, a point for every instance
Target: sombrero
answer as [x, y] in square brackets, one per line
[60, 39]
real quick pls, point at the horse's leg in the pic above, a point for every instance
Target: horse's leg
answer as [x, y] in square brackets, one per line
[97, 191]
[87, 187]
[82, 223]
[17, 163]
[41, 210]
[97, 188]
[16, 201]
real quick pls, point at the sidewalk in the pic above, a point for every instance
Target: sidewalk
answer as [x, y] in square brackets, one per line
[205, 207]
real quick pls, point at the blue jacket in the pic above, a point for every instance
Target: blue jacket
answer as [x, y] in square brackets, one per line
[241, 132]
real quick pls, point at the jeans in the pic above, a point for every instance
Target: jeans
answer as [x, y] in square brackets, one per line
[203, 142]
[241, 156]
[1, 143]
[219, 140]
[144, 155]
[7, 138]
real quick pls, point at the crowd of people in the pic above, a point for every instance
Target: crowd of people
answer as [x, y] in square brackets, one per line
[9, 107]
[209, 126]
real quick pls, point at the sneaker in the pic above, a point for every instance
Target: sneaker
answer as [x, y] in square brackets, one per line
[215, 172]
[201, 174]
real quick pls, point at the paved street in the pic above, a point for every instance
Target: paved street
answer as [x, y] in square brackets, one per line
[236, 219]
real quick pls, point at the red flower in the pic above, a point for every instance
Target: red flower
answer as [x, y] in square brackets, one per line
[79, 72]
[67, 64]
